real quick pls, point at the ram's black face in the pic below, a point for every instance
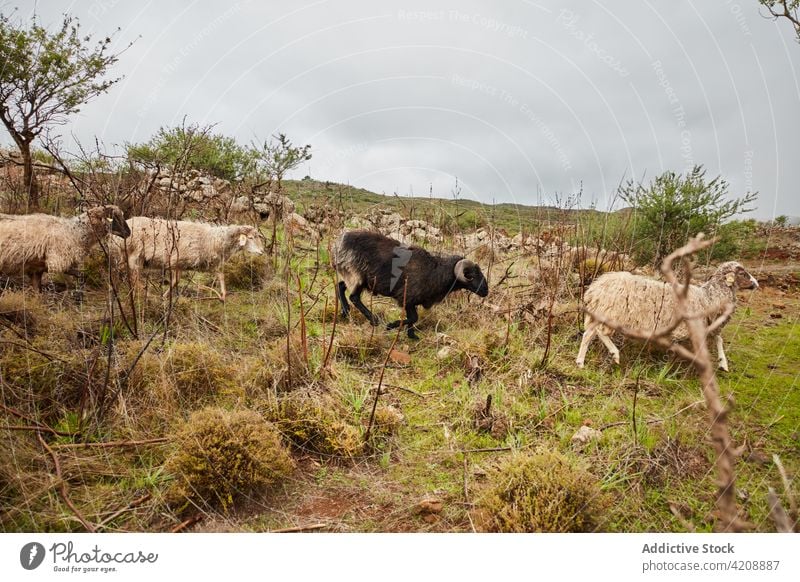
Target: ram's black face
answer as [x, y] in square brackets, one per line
[118, 225]
[475, 281]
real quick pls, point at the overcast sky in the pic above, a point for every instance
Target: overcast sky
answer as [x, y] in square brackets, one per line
[520, 100]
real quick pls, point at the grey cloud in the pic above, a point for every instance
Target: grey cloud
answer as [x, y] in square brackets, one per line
[518, 99]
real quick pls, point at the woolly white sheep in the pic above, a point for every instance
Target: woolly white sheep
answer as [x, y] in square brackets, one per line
[637, 302]
[35, 244]
[184, 245]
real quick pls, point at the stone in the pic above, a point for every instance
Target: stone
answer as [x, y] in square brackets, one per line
[584, 435]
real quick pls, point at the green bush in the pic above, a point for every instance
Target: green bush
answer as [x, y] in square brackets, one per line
[542, 492]
[211, 153]
[221, 456]
[674, 207]
[737, 239]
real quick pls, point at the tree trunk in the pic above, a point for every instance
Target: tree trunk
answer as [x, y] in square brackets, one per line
[29, 178]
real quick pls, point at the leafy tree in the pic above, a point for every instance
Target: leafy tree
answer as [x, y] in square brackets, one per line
[44, 78]
[277, 156]
[674, 207]
[786, 9]
[194, 146]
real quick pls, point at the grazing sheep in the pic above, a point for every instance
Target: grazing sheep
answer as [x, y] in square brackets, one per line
[183, 245]
[384, 266]
[35, 244]
[645, 304]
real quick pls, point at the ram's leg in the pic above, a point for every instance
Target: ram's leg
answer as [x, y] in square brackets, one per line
[411, 318]
[588, 336]
[341, 289]
[612, 349]
[355, 298]
[723, 360]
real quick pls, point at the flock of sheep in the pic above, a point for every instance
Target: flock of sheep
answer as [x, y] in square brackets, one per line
[364, 260]
[38, 243]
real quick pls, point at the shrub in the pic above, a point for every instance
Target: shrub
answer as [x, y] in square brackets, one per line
[44, 383]
[23, 310]
[221, 456]
[387, 422]
[737, 239]
[674, 207]
[355, 346]
[542, 492]
[246, 271]
[198, 370]
[314, 423]
[274, 372]
[94, 271]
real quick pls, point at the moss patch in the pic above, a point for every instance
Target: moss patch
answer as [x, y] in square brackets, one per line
[222, 456]
[543, 492]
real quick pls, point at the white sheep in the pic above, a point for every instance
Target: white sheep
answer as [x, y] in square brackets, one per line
[644, 304]
[184, 245]
[35, 244]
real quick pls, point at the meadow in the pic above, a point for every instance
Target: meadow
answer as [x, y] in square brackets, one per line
[269, 413]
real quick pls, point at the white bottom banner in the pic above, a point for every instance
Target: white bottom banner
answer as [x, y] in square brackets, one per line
[400, 556]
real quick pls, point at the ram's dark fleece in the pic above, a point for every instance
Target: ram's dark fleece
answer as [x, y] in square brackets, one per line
[384, 266]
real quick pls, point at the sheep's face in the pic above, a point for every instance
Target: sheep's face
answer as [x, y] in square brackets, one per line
[108, 219]
[736, 276]
[117, 220]
[249, 240]
[471, 277]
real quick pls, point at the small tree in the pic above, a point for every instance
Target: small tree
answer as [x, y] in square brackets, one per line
[277, 156]
[674, 207]
[786, 9]
[44, 78]
[212, 153]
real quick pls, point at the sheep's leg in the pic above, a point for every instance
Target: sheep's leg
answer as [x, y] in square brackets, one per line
[355, 298]
[723, 360]
[134, 279]
[221, 276]
[345, 306]
[36, 281]
[588, 336]
[174, 278]
[612, 349]
[411, 318]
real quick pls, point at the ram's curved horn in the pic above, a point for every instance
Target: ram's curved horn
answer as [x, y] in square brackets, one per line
[460, 267]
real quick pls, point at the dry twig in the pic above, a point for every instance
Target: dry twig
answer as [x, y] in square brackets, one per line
[62, 485]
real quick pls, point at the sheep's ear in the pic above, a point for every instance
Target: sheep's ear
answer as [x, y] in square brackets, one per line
[242, 239]
[461, 267]
[729, 279]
